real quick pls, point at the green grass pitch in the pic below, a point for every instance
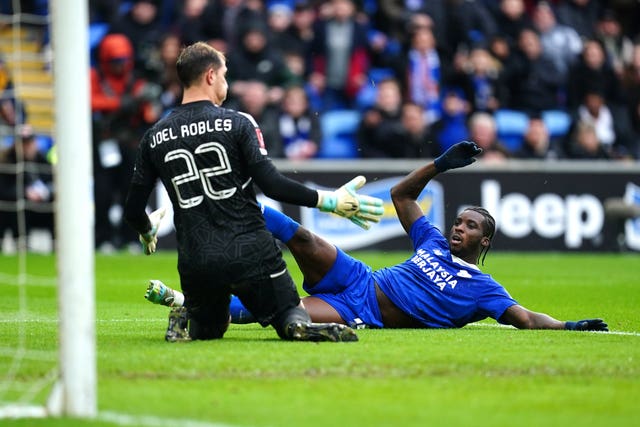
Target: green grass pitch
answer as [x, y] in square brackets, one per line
[481, 375]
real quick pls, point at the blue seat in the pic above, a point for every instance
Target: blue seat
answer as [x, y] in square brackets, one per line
[511, 126]
[97, 31]
[339, 128]
[558, 122]
[44, 142]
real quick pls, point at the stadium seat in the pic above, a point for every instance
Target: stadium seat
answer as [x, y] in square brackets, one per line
[339, 129]
[511, 126]
[558, 122]
[97, 31]
[45, 142]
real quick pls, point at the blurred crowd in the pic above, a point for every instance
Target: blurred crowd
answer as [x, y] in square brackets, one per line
[421, 74]
[526, 79]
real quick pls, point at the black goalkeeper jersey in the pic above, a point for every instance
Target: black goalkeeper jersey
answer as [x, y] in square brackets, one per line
[206, 156]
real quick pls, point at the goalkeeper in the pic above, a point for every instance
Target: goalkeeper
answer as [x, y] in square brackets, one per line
[208, 159]
[439, 286]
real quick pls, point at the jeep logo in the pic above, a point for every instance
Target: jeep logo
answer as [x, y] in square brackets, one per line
[578, 217]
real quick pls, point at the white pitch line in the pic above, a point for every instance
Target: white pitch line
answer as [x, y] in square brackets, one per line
[497, 325]
[153, 421]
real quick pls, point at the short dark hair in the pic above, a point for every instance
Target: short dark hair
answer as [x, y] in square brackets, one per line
[488, 227]
[195, 59]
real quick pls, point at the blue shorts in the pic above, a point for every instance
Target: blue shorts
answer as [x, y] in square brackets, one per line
[349, 288]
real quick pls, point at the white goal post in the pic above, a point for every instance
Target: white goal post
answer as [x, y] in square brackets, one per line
[74, 391]
[75, 394]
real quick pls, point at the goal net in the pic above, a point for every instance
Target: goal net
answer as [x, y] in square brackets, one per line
[47, 324]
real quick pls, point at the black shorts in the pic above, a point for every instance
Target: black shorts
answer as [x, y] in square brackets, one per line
[208, 302]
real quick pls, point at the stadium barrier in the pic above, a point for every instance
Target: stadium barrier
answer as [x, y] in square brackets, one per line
[538, 206]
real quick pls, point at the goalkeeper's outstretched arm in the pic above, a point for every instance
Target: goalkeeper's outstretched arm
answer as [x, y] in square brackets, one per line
[344, 202]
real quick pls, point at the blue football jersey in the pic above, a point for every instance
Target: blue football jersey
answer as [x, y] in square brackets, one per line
[439, 289]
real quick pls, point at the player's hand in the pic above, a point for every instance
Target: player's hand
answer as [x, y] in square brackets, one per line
[587, 325]
[149, 239]
[457, 156]
[344, 201]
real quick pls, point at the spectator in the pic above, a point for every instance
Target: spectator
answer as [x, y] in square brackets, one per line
[378, 131]
[415, 138]
[481, 79]
[484, 132]
[511, 20]
[296, 64]
[532, 78]
[279, 21]
[142, 25]
[583, 143]
[256, 60]
[340, 59]
[537, 142]
[302, 30]
[631, 81]
[32, 184]
[194, 23]
[610, 122]
[500, 50]
[424, 73]
[581, 15]
[617, 46]
[452, 125]
[559, 42]
[470, 23]
[593, 73]
[168, 78]
[390, 53]
[12, 110]
[103, 11]
[123, 107]
[393, 17]
[255, 101]
[228, 19]
[299, 128]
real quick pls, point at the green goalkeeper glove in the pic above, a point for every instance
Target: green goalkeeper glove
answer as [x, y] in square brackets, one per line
[347, 203]
[150, 238]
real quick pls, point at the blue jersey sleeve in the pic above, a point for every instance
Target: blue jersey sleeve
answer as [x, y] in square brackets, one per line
[494, 300]
[422, 231]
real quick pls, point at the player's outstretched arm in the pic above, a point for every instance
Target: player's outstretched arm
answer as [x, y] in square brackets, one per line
[405, 194]
[522, 318]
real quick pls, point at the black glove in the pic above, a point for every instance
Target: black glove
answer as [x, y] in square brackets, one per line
[457, 156]
[587, 325]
